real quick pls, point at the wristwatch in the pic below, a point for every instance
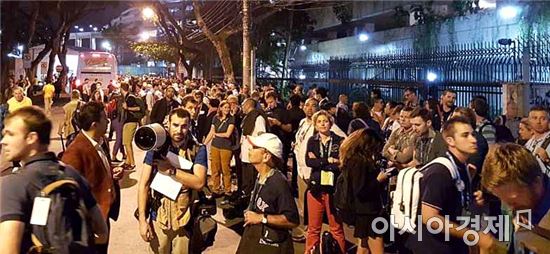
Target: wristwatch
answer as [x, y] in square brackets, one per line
[264, 219]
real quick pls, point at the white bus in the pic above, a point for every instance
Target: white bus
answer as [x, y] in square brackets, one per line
[96, 65]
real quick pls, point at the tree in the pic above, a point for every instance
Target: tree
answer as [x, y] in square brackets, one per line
[158, 51]
[275, 38]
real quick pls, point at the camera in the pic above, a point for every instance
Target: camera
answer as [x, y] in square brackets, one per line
[151, 137]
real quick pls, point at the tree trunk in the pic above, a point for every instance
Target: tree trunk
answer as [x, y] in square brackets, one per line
[62, 81]
[225, 58]
[219, 42]
[246, 45]
[34, 64]
[51, 63]
[288, 41]
[32, 29]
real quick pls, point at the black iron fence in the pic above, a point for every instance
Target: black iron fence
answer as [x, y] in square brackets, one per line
[470, 69]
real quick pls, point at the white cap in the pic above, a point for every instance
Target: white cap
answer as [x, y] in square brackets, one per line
[268, 141]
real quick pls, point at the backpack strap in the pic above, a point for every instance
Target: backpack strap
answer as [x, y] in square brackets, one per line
[52, 186]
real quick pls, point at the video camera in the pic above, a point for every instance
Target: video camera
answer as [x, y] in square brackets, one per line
[152, 137]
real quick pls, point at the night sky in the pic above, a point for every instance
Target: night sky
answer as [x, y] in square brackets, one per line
[103, 17]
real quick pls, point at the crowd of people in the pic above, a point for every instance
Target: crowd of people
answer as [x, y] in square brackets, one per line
[289, 156]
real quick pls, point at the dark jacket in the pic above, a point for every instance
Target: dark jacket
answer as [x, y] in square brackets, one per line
[203, 125]
[320, 163]
[366, 189]
[161, 109]
[249, 121]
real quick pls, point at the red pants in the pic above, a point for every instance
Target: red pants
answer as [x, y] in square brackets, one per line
[316, 206]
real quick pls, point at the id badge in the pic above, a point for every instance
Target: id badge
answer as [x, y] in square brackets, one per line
[327, 178]
[40, 211]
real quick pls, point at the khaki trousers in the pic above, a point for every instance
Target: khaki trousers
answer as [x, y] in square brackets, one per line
[169, 241]
[48, 105]
[220, 164]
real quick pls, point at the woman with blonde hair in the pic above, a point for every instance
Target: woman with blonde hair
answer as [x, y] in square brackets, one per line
[358, 155]
[322, 156]
[223, 125]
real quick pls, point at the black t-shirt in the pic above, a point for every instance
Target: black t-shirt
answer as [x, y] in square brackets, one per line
[295, 115]
[439, 191]
[18, 192]
[446, 115]
[282, 115]
[131, 102]
[274, 197]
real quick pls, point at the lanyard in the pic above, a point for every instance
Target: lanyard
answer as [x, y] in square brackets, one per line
[322, 148]
[302, 134]
[252, 205]
[222, 123]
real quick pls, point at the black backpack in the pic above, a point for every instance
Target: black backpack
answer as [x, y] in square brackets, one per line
[343, 198]
[68, 229]
[327, 245]
[203, 227]
[502, 133]
[142, 108]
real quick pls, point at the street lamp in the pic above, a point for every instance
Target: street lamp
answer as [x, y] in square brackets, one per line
[148, 13]
[81, 29]
[509, 12]
[431, 77]
[95, 29]
[144, 36]
[363, 37]
[303, 47]
[106, 45]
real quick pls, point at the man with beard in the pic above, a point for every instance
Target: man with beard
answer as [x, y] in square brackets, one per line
[447, 105]
[163, 106]
[162, 220]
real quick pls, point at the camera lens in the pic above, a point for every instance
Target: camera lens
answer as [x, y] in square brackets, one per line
[145, 138]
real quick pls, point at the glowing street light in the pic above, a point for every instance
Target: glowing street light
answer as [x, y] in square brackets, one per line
[431, 77]
[144, 36]
[106, 45]
[148, 13]
[81, 29]
[303, 47]
[363, 37]
[509, 12]
[95, 29]
[302, 76]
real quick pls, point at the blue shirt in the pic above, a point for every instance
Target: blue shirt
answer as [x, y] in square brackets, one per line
[201, 157]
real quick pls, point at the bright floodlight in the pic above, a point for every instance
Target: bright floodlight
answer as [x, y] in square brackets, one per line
[302, 76]
[303, 47]
[148, 13]
[81, 29]
[106, 45]
[431, 76]
[95, 29]
[508, 12]
[363, 37]
[144, 36]
[75, 27]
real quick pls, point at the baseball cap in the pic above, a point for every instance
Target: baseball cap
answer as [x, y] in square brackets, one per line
[269, 142]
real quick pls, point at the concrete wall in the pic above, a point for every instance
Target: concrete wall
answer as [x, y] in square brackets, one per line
[482, 27]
